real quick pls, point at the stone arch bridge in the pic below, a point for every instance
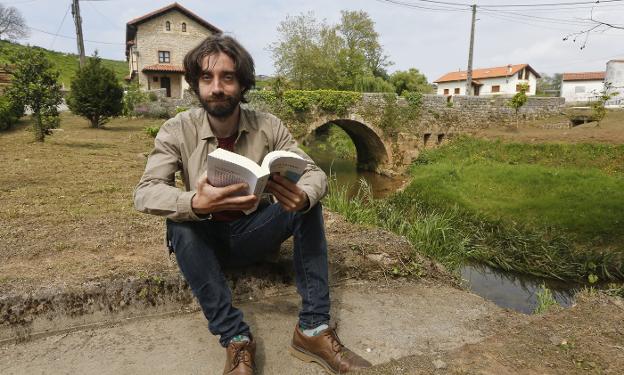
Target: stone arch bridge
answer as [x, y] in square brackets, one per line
[389, 133]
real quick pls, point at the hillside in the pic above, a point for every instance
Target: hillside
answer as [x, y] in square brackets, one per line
[66, 63]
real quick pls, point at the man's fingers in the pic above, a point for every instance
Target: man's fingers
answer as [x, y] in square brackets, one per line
[285, 201]
[227, 191]
[274, 186]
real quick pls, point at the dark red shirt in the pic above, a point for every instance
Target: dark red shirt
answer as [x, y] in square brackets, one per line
[228, 144]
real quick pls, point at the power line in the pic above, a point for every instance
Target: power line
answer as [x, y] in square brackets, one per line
[595, 2]
[73, 37]
[59, 28]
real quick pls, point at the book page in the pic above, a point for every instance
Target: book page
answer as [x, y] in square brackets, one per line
[285, 163]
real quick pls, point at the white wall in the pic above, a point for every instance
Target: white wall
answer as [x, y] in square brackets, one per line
[568, 90]
[615, 75]
[507, 85]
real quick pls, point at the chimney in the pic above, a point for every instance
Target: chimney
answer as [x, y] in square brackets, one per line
[508, 68]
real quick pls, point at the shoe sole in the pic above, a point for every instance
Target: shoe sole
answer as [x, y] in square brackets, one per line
[309, 357]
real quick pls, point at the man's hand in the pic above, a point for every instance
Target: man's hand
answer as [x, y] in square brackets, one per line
[210, 199]
[288, 194]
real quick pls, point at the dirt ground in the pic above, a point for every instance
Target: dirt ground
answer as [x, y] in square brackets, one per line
[610, 131]
[66, 220]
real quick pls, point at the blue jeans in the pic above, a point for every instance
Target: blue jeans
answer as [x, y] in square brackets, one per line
[202, 248]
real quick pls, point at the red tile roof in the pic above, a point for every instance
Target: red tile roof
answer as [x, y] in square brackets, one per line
[584, 76]
[164, 68]
[499, 71]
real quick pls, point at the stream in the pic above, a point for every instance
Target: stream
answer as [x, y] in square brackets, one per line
[506, 289]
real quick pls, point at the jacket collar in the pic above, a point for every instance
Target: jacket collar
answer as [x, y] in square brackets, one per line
[244, 124]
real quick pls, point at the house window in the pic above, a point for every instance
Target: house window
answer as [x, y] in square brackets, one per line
[496, 88]
[457, 91]
[163, 57]
[168, 26]
[183, 27]
[520, 74]
[155, 79]
[446, 91]
[579, 89]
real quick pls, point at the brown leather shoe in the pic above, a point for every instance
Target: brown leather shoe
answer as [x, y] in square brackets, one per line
[240, 358]
[326, 350]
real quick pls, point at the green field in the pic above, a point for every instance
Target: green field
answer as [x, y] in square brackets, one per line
[554, 210]
[66, 63]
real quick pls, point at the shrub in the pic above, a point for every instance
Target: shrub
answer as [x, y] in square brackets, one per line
[152, 97]
[95, 93]
[133, 97]
[152, 130]
[181, 109]
[9, 113]
[36, 85]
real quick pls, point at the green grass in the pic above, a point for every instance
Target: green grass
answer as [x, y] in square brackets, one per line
[65, 63]
[547, 210]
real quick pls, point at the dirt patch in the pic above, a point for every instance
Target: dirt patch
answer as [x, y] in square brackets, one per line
[586, 338]
[555, 129]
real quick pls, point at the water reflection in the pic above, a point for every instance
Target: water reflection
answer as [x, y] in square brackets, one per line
[346, 173]
[517, 292]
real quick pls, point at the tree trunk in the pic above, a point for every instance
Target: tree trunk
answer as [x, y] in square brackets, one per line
[95, 121]
[39, 135]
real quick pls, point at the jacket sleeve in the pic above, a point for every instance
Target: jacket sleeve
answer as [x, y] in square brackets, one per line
[314, 180]
[156, 193]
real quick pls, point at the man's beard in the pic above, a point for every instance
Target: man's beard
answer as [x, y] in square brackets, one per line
[220, 106]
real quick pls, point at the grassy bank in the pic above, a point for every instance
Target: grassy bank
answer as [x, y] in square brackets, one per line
[554, 210]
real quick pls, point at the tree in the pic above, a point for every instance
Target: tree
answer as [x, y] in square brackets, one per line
[35, 84]
[411, 80]
[598, 106]
[95, 93]
[548, 85]
[12, 25]
[315, 55]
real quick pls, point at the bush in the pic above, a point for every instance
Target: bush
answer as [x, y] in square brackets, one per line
[95, 93]
[152, 131]
[152, 97]
[9, 113]
[181, 109]
[133, 97]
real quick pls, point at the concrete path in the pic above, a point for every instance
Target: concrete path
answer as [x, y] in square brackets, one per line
[380, 322]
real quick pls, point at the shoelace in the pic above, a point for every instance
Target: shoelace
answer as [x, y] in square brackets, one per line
[241, 356]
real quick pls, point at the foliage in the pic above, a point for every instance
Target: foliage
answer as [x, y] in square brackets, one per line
[181, 109]
[12, 24]
[9, 112]
[35, 84]
[296, 106]
[548, 85]
[545, 300]
[152, 131]
[64, 63]
[95, 93]
[337, 142]
[347, 56]
[133, 96]
[411, 80]
[520, 98]
[598, 106]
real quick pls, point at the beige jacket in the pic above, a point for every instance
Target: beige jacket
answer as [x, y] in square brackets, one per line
[182, 145]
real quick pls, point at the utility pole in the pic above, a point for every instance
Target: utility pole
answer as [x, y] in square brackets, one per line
[78, 22]
[472, 31]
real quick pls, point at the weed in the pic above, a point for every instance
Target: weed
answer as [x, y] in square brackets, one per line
[545, 300]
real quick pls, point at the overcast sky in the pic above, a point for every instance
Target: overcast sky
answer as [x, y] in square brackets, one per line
[433, 41]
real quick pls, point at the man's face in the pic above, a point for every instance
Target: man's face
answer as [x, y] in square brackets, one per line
[219, 89]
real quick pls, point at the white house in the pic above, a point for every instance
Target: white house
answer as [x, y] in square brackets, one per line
[581, 87]
[500, 80]
[615, 76]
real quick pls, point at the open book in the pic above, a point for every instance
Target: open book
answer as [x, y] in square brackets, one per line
[228, 168]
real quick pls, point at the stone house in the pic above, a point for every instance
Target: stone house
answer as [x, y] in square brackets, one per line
[156, 44]
[500, 80]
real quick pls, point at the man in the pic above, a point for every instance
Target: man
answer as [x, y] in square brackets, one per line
[206, 228]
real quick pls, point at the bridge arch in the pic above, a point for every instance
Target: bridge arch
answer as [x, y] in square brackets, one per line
[372, 152]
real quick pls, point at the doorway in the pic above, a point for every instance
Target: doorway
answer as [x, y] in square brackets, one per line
[165, 83]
